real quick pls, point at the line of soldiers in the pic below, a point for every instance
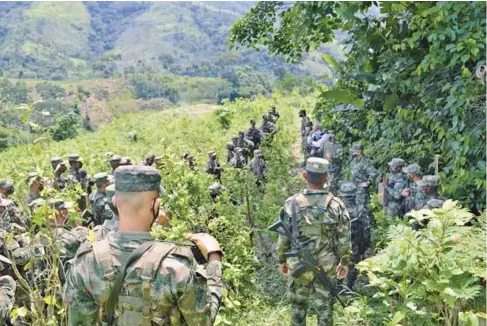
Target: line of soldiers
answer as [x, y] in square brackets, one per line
[243, 150]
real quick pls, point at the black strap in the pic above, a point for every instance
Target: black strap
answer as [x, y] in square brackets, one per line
[114, 294]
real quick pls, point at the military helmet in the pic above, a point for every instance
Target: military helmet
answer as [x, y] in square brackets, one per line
[6, 183]
[73, 157]
[397, 162]
[100, 178]
[59, 204]
[230, 146]
[115, 159]
[348, 189]
[412, 169]
[429, 181]
[138, 178]
[317, 165]
[434, 203]
[56, 159]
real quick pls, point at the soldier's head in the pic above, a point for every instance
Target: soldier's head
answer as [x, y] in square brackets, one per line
[241, 134]
[6, 188]
[55, 161]
[429, 184]
[348, 193]
[302, 113]
[212, 155]
[257, 154]
[413, 172]
[149, 159]
[35, 183]
[332, 136]
[234, 140]
[101, 181]
[273, 108]
[230, 146]
[215, 190]
[252, 123]
[61, 209]
[190, 159]
[114, 161]
[264, 118]
[124, 161]
[137, 191]
[316, 173]
[74, 160]
[60, 168]
[110, 192]
[356, 150]
[396, 165]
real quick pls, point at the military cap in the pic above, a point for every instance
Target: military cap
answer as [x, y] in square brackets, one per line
[412, 169]
[114, 158]
[110, 191]
[138, 178]
[317, 165]
[230, 145]
[357, 148]
[429, 181]
[435, 203]
[73, 158]
[211, 153]
[257, 153]
[31, 177]
[152, 156]
[100, 178]
[6, 183]
[348, 189]
[5, 202]
[56, 159]
[397, 162]
[215, 188]
[59, 204]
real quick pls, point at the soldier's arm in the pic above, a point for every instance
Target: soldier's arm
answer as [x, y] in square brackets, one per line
[396, 191]
[193, 280]
[338, 210]
[371, 173]
[7, 296]
[82, 307]
[283, 243]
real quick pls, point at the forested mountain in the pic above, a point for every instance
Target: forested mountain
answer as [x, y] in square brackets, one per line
[79, 40]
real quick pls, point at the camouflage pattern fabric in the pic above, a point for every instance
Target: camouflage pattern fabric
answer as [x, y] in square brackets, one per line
[362, 171]
[101, 231]
[268, 128]
[7, 297]
[258, 167]
[395, 185]
[213, 167]
[181, 292]
[304, 121]
[18, 248]
[324, 222]
[99, 207]
[419, 197]
[255, 135]
[333, 153]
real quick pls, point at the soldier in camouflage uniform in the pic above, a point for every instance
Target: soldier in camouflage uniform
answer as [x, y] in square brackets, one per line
[230, 152]
[149, 160]
[36, 185]
[258, 167]
[213, 167]
[304, 122]
[267, 128]
[7, 297]
[323, 220]
[360, 227]
[161, 283]
[98, 200]
[273, 112]
[306, 148]
[333, 153]
[244, 144]
[429, 186]
[12, 212]
[413, 195]
[108, 226]
[396, 183]
[75, 172]
[362, 173]
[60, 182]
[124, 161]
[114, 161]
[254, 134]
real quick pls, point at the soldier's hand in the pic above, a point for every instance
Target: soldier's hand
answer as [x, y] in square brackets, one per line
[405, 192]
[284, 268]
[342, 271]
[208, 245]
[363, 185]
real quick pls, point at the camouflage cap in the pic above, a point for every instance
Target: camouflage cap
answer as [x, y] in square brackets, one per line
[357, 148]
[150, 156]
[397, 162]
[434, 203]
[73, 158]
[31, 177]
[6, 183]
[59, 204]
[100, 178]
[317, 165]
[230, 145]
[137, 178]
[429, 181]
[215, 188]
[110, 191]
[211, 154]
[56, 159]
[35, 204]
[114, 159]
[348, 189]
[257, 153]
[126, 160]
[412, 169]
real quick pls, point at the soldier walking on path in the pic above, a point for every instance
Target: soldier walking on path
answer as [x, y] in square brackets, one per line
[320, 220]
[362, 173]
[214, 167]
[396, 183]
[333, 153]
[133, 279]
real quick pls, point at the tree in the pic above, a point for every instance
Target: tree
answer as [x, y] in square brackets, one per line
[49, 91]
[65, 127]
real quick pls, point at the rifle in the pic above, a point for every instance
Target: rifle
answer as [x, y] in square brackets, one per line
[88, 216]
[307, 260]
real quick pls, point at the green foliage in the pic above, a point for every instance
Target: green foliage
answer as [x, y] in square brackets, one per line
[65, 127]
[49, 91]
[148, 87]
[15, 93]
[428, 277]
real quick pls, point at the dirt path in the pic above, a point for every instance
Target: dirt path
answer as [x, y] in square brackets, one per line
[296, 147]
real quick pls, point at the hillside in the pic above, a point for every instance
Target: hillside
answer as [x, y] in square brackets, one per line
[79, 40]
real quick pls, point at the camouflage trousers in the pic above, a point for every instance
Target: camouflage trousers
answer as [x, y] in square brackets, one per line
[394, 209]
[335, 178]
[361, 247]
[313, 295]
[362, 197]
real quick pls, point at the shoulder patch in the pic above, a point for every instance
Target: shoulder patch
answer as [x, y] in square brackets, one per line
[84, 248]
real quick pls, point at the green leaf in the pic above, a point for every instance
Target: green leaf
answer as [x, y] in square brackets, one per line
[329, 59]
[25, 116]
[391, 102]
[22, 312]
[339, 95]
[398, 316]
[50, 300]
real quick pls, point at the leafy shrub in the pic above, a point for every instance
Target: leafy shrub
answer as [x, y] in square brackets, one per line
[148, 87]
[65, 127]
[49, 91]
[13, 93]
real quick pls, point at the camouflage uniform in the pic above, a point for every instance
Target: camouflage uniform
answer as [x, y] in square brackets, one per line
[98, 201]
[306, 148]
[360, 227]
[254, 134]
[267, 128]
[163, 286]
[258, 167]
[7, 297]
[59, 182]
[149, 160]
[416, 198]
[362, 171]
[333, 153]
[239, 160]
[431, 197]
[101, 231]
[76, 174]
[213, 167]
[31, 178]
[396, 183]
[244, 144]
[323, 220]
[230, 152]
